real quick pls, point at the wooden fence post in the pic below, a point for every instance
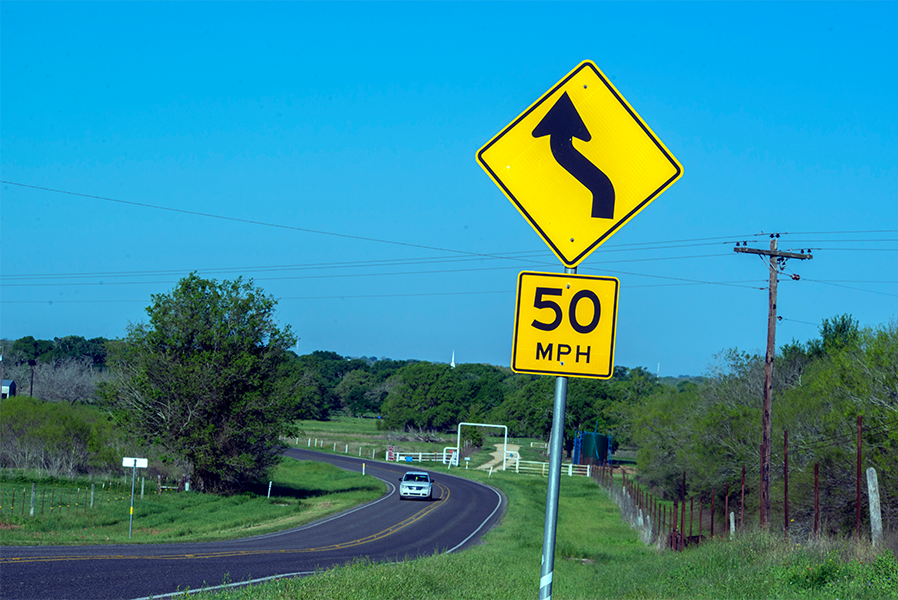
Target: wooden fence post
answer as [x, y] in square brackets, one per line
[786, 481]
[683, 514]
[726, 507]
[857, 523]
[875, 512]
[816, 499]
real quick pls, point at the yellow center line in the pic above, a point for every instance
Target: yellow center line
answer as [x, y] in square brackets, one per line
[365, 540]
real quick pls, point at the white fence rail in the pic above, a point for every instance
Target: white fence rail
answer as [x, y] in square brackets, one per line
[532, 467]
[514, 463]
[450, 456]
[444, 457]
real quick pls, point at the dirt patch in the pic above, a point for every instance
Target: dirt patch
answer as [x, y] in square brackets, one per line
[497, 456]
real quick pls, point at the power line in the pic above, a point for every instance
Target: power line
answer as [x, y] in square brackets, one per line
[249, 221]
[797, 321]
[516, 256]
[848, 287]
[280, 268]
[340, 296]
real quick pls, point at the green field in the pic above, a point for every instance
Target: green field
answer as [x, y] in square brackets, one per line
[301, 492]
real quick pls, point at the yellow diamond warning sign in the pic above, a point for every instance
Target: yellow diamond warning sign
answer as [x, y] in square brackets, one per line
[564, 325]
[579, 163]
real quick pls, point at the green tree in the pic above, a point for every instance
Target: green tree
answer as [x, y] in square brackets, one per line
[427, 396]
[28, 348]
[527, 410]
[201, 381]
[75, 346]
[328, 369]
[355, 393]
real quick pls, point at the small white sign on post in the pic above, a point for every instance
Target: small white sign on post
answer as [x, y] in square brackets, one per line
[134, 464]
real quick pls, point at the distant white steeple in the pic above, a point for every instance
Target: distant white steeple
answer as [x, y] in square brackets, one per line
[452, 364]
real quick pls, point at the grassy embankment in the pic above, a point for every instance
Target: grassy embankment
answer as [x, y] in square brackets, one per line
[301, 492]
[597, 556]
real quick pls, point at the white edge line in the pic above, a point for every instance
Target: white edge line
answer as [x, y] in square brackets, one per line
[226, 585]
[328, 519]
[306, 573]
[485, 521]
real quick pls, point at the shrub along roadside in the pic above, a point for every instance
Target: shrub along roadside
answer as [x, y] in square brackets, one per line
[61, 440]
[597, 556]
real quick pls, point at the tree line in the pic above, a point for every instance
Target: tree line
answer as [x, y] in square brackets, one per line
[211, 382]
[711, 429]
[66, 369]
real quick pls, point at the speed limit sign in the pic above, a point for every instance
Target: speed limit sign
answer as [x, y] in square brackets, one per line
[564, 325]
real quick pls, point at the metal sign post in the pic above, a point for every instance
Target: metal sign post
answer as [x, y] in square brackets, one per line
[556, 447]
[134, 463]
[578, 164]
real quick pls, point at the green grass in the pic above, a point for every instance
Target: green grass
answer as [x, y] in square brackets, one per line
[597, 556]
[301, 492]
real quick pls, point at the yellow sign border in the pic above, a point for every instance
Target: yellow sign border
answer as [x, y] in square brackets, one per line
[525, 365]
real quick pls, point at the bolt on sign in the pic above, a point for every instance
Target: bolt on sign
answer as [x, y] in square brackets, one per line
[579, 163]
[564, 325]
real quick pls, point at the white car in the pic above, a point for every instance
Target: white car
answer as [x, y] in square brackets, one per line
[416, 484]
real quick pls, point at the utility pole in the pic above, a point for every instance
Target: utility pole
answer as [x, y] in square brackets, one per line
[777, 261]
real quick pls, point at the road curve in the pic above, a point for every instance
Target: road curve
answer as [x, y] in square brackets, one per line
[383, 530]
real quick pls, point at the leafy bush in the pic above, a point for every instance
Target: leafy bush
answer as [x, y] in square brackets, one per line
[58, 439]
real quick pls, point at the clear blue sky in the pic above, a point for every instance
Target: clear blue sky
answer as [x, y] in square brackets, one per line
[363, 120]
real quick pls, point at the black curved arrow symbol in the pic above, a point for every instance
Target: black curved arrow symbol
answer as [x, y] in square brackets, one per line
[562, 124]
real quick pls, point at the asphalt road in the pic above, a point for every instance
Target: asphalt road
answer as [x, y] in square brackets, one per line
[383, 530]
